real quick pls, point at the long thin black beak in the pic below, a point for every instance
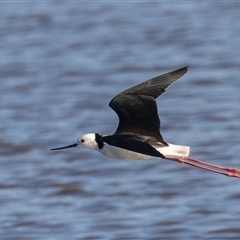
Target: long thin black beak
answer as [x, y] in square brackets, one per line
[69, 146]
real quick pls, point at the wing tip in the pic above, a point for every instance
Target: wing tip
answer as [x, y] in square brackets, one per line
[183, 69]
[178, 73]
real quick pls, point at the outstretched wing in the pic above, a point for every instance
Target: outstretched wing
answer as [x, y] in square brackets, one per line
[137, 109]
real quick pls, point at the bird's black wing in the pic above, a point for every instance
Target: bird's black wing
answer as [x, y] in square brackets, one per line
[137, 109]
[134, 143]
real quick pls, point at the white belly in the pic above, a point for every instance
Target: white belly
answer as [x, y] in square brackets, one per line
[171, 150]
[120, 153]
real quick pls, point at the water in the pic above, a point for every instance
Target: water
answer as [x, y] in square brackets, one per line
[61, 63]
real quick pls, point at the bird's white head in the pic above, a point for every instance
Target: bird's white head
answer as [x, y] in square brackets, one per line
[86, 141]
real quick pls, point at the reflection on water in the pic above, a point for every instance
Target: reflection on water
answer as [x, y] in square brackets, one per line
[61, 63]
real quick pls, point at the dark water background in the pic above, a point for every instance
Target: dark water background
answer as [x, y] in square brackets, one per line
[61, 63]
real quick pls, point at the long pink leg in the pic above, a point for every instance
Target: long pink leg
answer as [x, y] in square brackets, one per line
[230, 172]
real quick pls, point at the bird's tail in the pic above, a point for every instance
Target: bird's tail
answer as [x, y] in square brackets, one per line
[174, 151]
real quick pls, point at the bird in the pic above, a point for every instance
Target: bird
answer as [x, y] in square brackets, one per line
[138, 135]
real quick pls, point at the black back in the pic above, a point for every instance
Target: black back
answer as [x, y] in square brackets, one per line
[137, 109]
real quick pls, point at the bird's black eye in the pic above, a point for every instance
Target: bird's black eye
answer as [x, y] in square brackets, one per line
[82, 140]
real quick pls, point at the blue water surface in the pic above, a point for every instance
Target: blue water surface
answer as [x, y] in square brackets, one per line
[60, 65]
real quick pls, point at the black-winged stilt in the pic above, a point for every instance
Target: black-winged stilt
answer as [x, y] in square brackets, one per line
[138, 132]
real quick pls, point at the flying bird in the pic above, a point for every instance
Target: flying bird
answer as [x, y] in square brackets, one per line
[138, 133]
